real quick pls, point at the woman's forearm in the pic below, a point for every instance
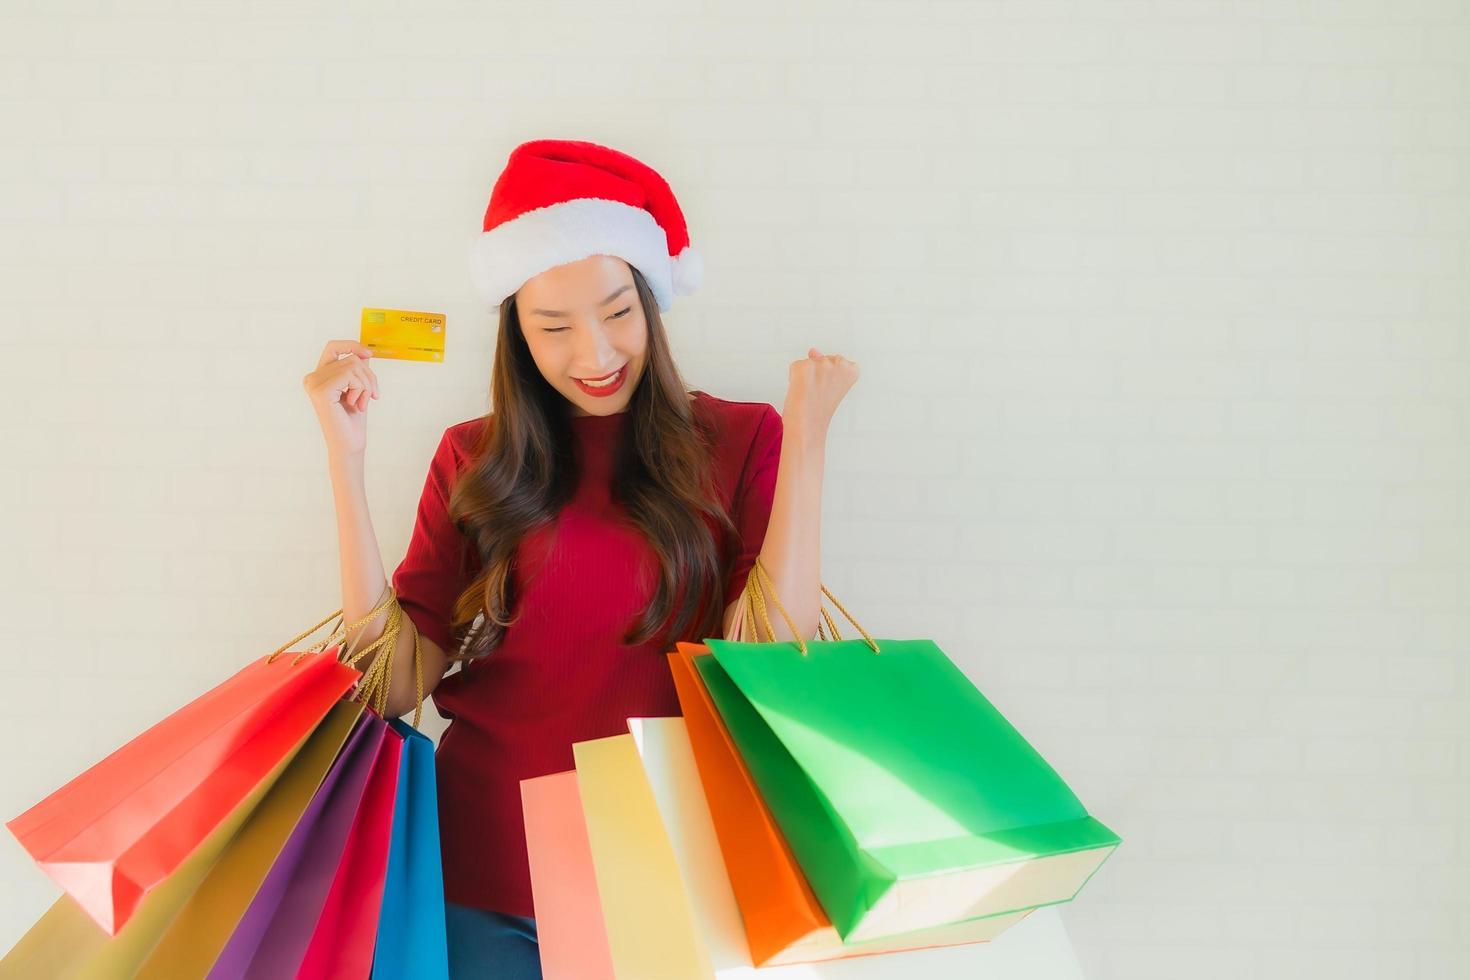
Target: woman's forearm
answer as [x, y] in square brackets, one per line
[364, 584]
[792, 549]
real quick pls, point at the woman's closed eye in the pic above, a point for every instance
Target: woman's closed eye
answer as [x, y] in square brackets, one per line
[613, 317]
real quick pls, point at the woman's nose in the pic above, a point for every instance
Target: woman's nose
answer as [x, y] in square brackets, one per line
[593, 348]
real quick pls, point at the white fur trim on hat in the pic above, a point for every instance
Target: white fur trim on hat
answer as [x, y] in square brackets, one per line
[503, 258]
[688, 271]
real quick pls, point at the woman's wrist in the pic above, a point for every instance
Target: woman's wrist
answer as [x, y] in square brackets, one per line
[804, 437]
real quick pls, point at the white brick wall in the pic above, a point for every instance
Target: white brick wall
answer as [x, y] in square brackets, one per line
[1163, 430]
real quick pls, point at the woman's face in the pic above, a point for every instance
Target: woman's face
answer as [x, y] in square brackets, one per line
[583, 321]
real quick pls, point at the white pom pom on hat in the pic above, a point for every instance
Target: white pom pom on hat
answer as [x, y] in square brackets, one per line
[558, 201]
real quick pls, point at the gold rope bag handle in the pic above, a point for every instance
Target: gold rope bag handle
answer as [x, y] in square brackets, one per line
[374, 685]
[752, 600]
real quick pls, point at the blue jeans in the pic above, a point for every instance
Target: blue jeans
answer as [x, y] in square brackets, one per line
[488, 944]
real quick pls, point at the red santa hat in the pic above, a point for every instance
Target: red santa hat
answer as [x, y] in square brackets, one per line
[558, 201]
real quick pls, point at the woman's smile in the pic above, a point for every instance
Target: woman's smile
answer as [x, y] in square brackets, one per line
[606, 386]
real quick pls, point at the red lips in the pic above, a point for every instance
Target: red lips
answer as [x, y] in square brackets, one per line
[603, 392]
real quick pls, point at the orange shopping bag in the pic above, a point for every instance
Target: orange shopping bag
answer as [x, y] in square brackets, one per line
[123, 827]
[777, 905]
[784, 922]
[127, 823]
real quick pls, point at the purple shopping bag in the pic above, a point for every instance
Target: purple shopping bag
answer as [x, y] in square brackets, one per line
[272, 937]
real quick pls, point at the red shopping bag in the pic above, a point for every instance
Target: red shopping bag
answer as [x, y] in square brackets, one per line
[343, 943]
[273, 936]
[126, 824]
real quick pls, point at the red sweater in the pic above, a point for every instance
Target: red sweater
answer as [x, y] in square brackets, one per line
[560, 675]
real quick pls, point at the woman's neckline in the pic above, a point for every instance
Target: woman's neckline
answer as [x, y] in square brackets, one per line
[594, 419]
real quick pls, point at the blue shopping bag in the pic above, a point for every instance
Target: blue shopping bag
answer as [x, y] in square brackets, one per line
[411, 940]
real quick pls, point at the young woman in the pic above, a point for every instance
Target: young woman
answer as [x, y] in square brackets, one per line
[566, 540]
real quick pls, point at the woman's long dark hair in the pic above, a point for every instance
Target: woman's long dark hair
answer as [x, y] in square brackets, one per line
[523, 471]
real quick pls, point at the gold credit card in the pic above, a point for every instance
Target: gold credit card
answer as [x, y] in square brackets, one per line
[408, 335]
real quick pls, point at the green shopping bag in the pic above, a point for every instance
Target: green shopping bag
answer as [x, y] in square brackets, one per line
[906, 797]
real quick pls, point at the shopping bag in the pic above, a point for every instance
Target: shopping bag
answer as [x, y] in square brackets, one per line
[649, 921]
[122, 827]
[178, 920]
[570, 934]
[781, 918]
[411, 941]
[777, 906]
[907, 798]
[66, 942]
[276, 930]
[316, 904]
[346, 931]
[1026, 951]
[667, 905]
[127, 823]
[197, 935]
